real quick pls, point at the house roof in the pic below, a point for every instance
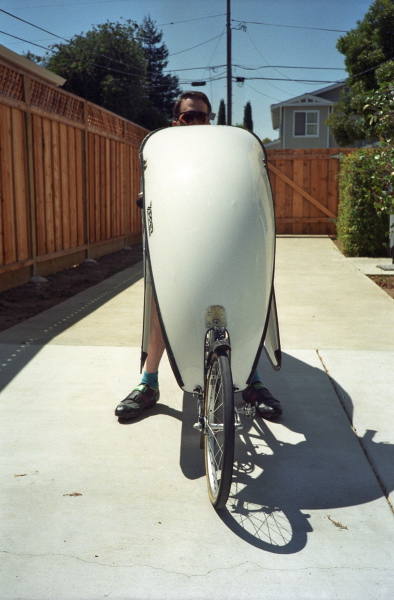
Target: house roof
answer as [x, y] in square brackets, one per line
[310, 99]
[24, 64]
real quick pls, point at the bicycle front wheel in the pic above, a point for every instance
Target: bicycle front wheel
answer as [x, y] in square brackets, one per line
[219, 429]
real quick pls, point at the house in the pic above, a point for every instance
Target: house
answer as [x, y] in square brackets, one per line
[302, 120]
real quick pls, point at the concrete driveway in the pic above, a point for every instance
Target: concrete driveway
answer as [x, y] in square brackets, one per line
[91, 508]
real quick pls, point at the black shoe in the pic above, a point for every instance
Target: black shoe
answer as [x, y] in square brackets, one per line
[259, 396]
[141, 397]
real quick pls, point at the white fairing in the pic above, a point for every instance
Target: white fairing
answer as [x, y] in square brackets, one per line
[210, 236]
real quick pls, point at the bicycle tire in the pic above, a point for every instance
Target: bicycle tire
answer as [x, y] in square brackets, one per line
[219, 429]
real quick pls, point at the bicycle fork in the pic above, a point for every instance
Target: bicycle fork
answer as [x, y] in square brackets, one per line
[217, 338]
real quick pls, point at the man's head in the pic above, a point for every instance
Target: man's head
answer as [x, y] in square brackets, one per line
[192, 108]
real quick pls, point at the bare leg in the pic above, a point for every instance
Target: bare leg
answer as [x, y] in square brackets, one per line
[156, 343]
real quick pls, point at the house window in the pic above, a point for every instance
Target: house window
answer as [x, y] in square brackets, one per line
[306, 123]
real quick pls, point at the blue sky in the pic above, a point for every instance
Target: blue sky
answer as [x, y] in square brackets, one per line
[295, 33]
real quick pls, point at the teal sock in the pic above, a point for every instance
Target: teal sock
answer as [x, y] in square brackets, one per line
[151, 379]
[256, 378]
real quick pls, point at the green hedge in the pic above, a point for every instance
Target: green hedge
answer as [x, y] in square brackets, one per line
[363, 225]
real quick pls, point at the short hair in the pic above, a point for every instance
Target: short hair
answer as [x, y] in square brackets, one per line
[191, 94]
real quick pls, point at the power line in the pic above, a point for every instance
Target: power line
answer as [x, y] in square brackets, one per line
[243, 79]
[67, 5]
[261, 93]
[88, 61]
[197, 45]
[103, 55]
[263, 57]
[64, 39]
[190, 20]
[289, 67]
[194, 69]
[287, 26]
[287, 79]
[246, 68]
[27, 41]
[31, 24]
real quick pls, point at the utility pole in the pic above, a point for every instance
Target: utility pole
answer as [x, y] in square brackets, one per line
[229, 70]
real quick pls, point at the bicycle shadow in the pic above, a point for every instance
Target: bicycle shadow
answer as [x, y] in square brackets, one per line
[310, 460]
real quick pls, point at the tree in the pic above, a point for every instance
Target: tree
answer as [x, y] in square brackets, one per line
[370, 44]
[368, 51]
[222, 113]
[248, 121]
[380, 118]
[119, 66]
[106, 66]
[161, 88]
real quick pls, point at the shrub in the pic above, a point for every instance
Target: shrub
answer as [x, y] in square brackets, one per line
[365, 201]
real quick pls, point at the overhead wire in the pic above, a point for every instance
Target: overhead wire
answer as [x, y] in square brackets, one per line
[261, 93]
[290, 67]
[66, 40]
[67, 4]
[27, 41]
[210, 68]
[288, 26]
[99, 54]
[263, 57]
[190, 20]
[196, 46]
[218, 37]
[32, 25]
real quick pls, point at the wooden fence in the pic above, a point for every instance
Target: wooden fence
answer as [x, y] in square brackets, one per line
[305, 188]
[69, 179]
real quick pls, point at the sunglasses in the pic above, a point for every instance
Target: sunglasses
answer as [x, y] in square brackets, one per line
[192, 115]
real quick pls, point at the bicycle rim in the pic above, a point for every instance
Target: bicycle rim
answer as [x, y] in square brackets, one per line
[219, 434]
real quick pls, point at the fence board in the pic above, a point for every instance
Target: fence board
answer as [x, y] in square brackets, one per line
[57, 198]
[64, 175]
[119, 219]
[72, 187]
[332, 195]
[91, 185]
[298, 198]
[307, 207]
[48, 190]
[79, 184]
[288, 194]
[97, 190]
[39, 185]
[8, 202]
[20, 185]
[105, 188]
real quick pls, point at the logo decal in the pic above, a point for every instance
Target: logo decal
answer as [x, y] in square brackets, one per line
[150, 219]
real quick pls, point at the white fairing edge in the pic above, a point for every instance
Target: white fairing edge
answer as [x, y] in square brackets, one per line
[210, 234]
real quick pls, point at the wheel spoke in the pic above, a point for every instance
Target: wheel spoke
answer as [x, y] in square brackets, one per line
[219, 432]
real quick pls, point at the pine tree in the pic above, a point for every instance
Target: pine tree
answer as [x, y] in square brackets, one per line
[248, 122]
[222, 113]
[161, 88]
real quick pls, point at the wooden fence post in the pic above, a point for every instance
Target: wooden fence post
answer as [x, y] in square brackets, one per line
[86, 188]
[126, 171]
[30, 173]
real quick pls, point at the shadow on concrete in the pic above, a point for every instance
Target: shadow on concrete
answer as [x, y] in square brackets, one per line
[323, 466]
[20, 344]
